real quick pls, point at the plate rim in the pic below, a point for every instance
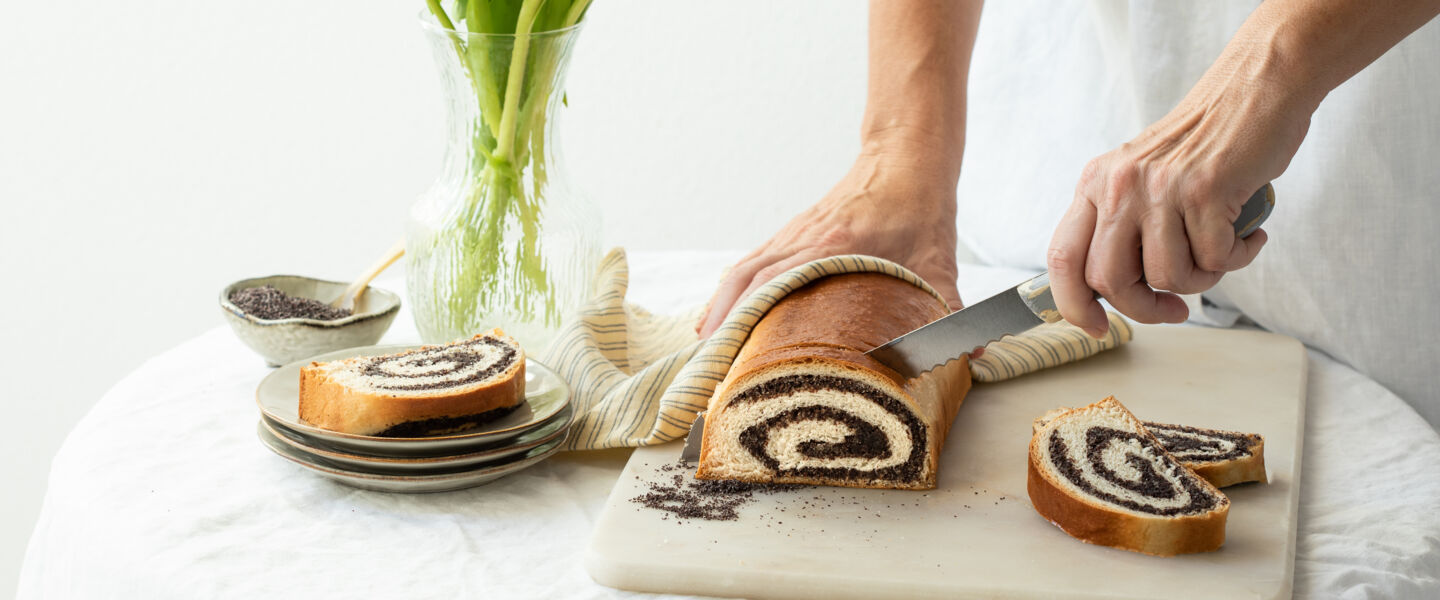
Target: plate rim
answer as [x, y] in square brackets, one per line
[419, 461]
[555, 448]
[391, 349]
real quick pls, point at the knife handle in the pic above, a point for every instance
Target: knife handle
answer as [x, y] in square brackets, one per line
[1255, 211]
[1037, 296]
[1036, 291]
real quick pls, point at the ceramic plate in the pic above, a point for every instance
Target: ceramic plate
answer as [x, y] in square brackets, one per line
[410, 484]
[545, 394]
[539, 436]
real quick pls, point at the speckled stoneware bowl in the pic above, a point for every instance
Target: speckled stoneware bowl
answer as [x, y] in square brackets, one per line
[282, 341]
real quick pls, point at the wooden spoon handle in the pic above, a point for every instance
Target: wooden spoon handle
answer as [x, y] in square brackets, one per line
[352, 293]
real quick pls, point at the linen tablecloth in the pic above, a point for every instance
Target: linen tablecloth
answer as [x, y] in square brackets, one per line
[163, 491]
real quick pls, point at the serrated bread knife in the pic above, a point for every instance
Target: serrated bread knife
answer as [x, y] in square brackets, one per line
[1012, 311]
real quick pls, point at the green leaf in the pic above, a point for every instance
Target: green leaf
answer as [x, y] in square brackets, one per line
[500, 16]
[460, 7]
[552, 15]
[439, 13]
[577, 12]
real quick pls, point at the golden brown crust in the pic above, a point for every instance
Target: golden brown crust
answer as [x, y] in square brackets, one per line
[858, 311]
[1241, 470]
[828, 325]
[1100, 524]
[941, 391]
[328, 404]
[1095, 525]
[1049, 416]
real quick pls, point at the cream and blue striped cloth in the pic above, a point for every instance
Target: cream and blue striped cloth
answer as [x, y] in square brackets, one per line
[639, 379]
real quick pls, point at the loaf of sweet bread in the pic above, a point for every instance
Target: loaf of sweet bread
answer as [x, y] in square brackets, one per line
[1099, 475]
[427, 391]
[803, 404]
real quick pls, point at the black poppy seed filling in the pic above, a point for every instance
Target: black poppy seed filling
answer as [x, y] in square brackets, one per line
[1188, 448]
[458, 354]
[867, 442]
[440, 425]
[1150, 485]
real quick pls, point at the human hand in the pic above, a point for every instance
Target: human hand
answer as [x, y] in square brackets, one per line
[1159, 211]
[885, 207]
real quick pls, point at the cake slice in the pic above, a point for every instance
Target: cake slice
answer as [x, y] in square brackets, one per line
[1099, 475]
[803, 404]
[432, 390]
[1223, 458]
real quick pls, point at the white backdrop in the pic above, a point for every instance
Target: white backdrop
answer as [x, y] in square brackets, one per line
[152, 151]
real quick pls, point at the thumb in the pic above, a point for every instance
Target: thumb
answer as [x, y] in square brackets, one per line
[944, 284]
[951, 294]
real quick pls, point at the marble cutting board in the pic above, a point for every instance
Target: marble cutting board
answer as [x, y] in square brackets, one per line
[976, 535]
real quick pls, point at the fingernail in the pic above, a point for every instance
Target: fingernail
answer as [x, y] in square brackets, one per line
[1097, 332]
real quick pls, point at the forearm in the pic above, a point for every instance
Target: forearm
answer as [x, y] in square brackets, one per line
[919, 63]
[1310, 47]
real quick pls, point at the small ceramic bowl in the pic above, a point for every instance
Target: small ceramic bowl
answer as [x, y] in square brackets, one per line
[282, 341]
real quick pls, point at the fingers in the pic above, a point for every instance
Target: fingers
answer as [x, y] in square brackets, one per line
[1212, 237]
[724, 276]
[1115, 270]
[1255, 243]
[763, 276]
[729, 291]
[737, 286]
[1169, 264]
[1066, 261]
[937, 266]
[948, 291]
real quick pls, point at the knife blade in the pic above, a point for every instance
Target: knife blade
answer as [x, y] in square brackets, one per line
[961, 332]
[1015, 310]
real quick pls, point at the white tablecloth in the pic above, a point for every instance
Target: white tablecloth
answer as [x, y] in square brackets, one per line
[163, 491]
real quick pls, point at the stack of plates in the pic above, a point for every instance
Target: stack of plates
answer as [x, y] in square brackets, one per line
[440, 463]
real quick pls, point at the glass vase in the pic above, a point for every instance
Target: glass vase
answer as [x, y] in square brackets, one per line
[501, 239]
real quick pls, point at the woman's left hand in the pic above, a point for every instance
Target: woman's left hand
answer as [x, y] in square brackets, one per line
[891, 205]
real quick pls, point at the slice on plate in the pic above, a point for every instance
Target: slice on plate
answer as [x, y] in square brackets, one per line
[1100, 476]
[432, 390]
[1223, 458]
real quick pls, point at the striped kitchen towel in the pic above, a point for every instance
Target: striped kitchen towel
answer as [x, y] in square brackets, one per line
[639, 379]
[1049, 345]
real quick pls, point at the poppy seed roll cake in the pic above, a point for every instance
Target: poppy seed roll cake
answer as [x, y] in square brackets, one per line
[803, 404]
[1223, 458]
[431, 390]
[1099, 475]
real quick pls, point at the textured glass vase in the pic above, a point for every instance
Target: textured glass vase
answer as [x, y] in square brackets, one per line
[501, 239]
